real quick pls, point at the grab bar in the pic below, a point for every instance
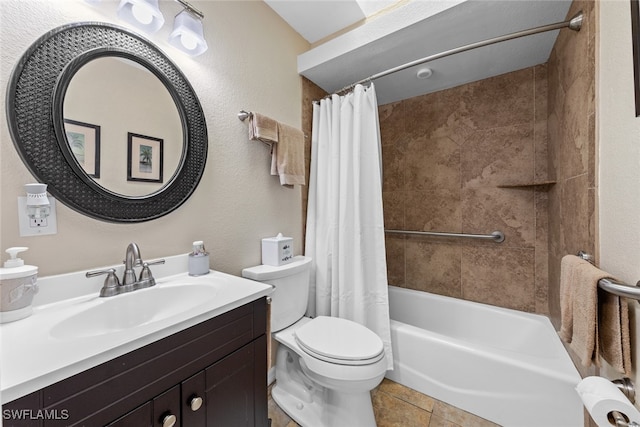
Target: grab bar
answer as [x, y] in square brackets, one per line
[496, 236]
[611, 286]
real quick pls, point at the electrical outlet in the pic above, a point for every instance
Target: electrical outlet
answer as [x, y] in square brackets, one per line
[37, 223]
[36, 227]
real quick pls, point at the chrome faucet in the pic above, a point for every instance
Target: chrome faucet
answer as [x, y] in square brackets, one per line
[132, 259]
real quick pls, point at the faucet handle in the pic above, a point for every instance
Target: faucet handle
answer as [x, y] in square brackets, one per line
[111, 282]
[154, 262]
[146, 278]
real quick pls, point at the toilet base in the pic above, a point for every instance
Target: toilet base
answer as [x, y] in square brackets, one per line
[314, 399]
[336, 409]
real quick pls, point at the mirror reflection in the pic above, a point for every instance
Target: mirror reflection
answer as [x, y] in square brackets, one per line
[123, 126]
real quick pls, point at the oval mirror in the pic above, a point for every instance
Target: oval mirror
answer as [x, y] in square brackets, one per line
[116, 109]
[147, 170]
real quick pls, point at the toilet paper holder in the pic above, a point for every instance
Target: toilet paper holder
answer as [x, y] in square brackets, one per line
[618, 419]
[626, 386]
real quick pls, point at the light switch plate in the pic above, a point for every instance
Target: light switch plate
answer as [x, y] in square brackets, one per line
[36, 227]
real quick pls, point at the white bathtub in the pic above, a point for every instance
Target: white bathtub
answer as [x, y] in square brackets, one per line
[506, 366]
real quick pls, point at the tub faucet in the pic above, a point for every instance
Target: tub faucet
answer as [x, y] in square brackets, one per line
[131, 259]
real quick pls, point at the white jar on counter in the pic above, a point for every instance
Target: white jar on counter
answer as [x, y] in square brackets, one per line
[17, 287]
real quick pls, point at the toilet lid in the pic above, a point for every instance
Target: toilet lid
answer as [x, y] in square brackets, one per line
[339, 341]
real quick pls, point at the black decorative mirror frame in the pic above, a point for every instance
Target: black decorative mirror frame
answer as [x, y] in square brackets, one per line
[34, 111]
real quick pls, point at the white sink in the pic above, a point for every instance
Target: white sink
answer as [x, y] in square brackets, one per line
[72, 329]
[114, 314]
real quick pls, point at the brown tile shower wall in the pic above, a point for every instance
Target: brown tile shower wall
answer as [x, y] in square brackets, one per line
[571, 127]
[446, 156]
[446, 159]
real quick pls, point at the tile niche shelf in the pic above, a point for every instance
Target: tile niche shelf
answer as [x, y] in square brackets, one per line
[542, 185]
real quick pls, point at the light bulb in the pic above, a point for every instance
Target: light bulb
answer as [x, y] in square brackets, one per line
[189, 41]
[188, 34]
[142, 14]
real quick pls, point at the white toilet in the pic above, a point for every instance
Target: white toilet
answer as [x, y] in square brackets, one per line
[326, 366]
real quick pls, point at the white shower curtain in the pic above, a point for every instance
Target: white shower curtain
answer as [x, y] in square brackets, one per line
[345, 227]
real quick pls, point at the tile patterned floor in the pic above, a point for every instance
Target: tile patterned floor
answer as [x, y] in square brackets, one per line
[395, 405]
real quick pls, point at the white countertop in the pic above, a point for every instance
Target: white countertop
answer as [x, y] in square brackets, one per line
[33, 357]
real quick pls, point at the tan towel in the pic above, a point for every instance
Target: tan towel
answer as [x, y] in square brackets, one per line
[594, 323]
[615, 339]
[287, 156]
[263, 128]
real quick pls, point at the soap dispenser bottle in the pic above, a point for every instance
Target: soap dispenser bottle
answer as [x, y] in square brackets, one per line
[198, 259]
[17, 287]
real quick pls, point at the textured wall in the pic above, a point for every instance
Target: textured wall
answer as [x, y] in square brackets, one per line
[250, 64]
[618, 157]
[445, 157]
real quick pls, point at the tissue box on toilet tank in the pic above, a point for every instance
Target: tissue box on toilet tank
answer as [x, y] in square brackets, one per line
[277, 250]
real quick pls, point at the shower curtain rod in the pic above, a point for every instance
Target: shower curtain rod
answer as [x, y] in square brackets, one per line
[575, 23]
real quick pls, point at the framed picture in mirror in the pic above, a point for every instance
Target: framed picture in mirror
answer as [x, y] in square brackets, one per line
[144, 158]
[84, 142]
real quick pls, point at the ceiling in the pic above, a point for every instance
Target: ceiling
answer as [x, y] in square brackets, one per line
[317, 19]
[411, 30]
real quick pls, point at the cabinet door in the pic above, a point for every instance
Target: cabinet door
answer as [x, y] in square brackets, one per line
[139, 417]
[20, 412]
[230, 390]
[166, 408]
[194, 413]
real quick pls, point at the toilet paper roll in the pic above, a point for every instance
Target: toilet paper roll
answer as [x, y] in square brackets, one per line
[600, 396]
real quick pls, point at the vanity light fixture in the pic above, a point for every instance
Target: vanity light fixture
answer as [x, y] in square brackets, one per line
[188, 32]
[143, 14]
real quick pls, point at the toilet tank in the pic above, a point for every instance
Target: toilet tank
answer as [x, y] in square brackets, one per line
[291, 283]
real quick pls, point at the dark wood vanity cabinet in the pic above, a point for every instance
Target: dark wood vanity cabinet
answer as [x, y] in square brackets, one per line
[212, 374]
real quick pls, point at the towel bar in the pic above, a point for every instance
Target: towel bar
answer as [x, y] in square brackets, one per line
[620, 289]
[243, 115]
[611, 286]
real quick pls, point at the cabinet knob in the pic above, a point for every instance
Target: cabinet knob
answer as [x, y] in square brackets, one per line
[169, 420]
[195, 403]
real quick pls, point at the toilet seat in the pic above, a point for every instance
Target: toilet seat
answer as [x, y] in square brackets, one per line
[339, 341]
